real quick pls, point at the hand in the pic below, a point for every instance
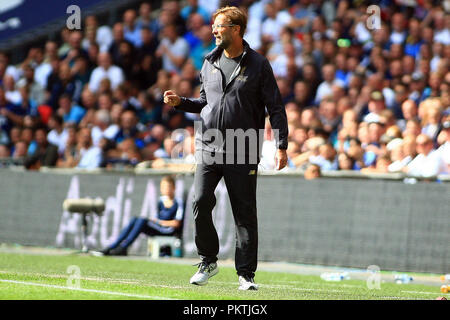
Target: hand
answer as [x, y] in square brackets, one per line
[162, 50]
[171, 98]
[281, 159]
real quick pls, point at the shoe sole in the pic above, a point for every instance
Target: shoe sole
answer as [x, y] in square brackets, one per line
[206, 282]
[251, 288]
[97, 254]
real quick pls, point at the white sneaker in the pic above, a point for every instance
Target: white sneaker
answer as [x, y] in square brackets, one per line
[247, 283]
[205, 271]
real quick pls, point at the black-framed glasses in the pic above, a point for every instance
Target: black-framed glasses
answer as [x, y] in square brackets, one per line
[215, 26]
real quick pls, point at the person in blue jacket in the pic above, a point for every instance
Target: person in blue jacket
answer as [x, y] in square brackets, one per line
[169, 219]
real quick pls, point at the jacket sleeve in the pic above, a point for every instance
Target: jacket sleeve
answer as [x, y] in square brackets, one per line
[272, 99]
[194, 105]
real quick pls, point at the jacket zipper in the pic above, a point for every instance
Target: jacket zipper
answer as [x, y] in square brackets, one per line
[233, 76]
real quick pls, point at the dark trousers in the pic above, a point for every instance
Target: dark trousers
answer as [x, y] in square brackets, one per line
[135, 228]
[240, 180]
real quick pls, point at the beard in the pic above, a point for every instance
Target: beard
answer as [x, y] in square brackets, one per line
[223, 42]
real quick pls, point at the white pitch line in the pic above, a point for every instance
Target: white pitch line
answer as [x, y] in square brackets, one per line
[86, 290]
[115, 280]
[423, 292]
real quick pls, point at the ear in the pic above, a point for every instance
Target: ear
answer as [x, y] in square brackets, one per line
[238, 29]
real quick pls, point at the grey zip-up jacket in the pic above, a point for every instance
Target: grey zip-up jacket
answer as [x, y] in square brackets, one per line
[241, 103]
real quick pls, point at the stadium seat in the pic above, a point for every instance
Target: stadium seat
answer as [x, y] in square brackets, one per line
[157, 242]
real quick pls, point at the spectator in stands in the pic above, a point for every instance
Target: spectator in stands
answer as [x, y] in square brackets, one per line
[277, 18]
[14, 137]
[88, 105]
[428, 162]
[4, 139]
[35, 89]
[4, 151]
[9, 69]
[148, 71]
[63, 84]
[356, 152]
[409, 111]
[287, 36]
[281, 63]
[90, 155]
[29, 105]
[70, 157]
[20, 150]
[107, 70]
[75, 48]
[58, 134]
[11, 92]
[118, 37]
[45, 154]
[302, 94]
[375, 106]
[168, 221]
[194, 23]
[132, 31]
[406, 61]
[81, 71]
[150, 42]
[329, 79]
[103, 128]
[441, 32]
[103, 34]
[312, 171]
[126, 154]
[205, 46]
[89, 38]
[173, 49]
[41, 65]
[144, 20]
[10, 114]
[65, 46]
[69, 111]
[444, 141]
[430, 113]
[93, 53]
[396, 150]
[193, 7]
[381, 165]
[328, 115]
[325, 158]
[172, 8]
[155, 140]
[128, 128]
[150, 112]
[126, 59]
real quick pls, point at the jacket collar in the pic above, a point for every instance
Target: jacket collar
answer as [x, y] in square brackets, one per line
[217, 52]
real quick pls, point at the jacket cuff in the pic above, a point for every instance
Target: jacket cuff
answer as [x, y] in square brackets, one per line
[282, 145]
[182, 101]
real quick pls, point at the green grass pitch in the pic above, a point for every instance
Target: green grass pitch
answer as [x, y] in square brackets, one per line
[54, 277]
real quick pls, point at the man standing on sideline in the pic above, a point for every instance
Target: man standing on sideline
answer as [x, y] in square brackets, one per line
[237, 86]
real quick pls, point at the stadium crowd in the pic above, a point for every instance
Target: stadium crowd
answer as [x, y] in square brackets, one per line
[360, 93]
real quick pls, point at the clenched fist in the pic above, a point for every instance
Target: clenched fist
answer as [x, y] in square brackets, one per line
[171, 98]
